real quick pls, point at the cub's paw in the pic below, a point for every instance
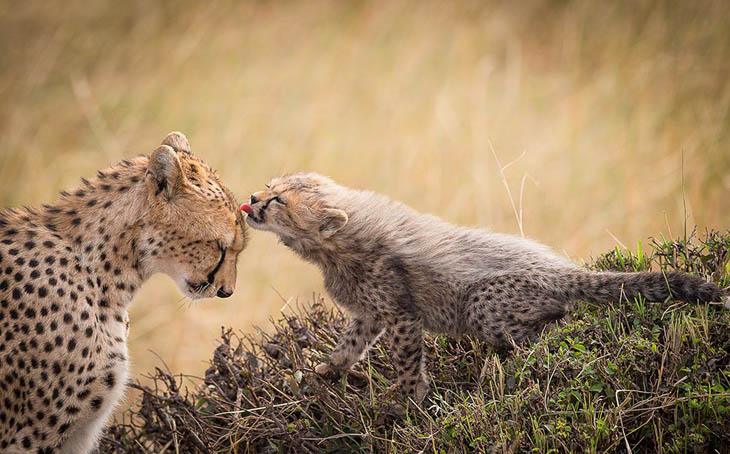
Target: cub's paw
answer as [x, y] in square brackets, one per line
[416, 389]
[423, 388]
[328, 370]
[324, 369]
[406, 399]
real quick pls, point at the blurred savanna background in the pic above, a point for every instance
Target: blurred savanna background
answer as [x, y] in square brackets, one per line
[582, 124]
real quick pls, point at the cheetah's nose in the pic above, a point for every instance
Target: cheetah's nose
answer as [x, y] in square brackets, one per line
[254, 199]
[223, 293]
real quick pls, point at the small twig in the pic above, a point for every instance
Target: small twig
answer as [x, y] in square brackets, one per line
[617, 240]
[518, 214]
[236, 412]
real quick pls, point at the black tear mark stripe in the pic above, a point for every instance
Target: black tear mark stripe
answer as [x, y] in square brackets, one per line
[211, 276]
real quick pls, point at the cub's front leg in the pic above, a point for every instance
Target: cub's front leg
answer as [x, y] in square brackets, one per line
[360, 335]
[408, 358]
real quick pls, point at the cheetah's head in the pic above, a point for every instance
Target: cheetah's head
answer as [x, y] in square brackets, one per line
[299, 209]
[193, 230]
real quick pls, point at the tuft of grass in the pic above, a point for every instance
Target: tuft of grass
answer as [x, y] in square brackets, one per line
[627, 376]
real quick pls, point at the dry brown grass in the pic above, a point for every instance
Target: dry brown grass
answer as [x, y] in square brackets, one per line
[406, 98]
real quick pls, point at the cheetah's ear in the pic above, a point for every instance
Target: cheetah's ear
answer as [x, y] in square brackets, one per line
[164, 172]
[177, 141]
[332, 222]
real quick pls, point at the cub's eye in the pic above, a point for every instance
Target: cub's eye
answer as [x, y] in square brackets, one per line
[268, 186]
[276, 199]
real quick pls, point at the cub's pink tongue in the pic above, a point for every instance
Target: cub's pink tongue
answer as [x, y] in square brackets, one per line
[247, 208]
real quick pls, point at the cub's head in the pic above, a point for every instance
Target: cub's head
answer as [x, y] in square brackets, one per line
[298, 209]
[193, 230]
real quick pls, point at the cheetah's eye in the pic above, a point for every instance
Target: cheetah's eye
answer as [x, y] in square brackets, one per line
[276, 199]
[268, 186]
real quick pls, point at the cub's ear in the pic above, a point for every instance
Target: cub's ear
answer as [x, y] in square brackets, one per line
[177, 141]
[164, 172]
[332, 222]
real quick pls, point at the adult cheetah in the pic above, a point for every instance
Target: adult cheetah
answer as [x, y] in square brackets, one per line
[68, 272]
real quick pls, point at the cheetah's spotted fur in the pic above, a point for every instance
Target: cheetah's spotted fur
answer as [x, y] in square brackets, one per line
[68, 272]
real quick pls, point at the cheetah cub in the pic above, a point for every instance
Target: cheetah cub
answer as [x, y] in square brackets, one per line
[68, 272]
[393, 268]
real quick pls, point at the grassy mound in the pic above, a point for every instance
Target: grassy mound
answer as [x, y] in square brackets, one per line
[621, 377]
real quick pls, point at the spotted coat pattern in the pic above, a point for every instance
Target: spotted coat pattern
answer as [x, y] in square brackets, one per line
[68, 272]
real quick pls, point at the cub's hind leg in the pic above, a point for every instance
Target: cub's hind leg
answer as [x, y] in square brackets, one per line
[360, 335]
[510, 308]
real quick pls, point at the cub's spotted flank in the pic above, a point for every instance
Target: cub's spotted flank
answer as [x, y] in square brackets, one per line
[68, 272]
[398, 270]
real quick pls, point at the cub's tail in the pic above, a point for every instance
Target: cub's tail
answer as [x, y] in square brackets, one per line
[653, 286]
